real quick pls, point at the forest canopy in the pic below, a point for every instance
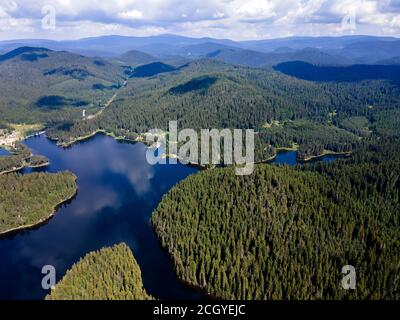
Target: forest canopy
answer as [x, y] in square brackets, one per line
[286, 233]
[30, 199]
[108, 274]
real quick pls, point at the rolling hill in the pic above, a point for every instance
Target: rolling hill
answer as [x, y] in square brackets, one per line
[152, 69]
[38, 78]
[136, 58]
[211, 94]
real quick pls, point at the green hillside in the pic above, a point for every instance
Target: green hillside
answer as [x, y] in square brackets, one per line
[136, 58]
[211, 94]
[37, 84]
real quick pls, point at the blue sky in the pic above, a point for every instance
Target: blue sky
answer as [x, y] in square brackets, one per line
[233, 19]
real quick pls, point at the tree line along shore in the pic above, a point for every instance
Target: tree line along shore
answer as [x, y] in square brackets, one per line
[31, 199]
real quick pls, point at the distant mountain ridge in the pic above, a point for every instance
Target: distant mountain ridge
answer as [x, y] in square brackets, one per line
[252, 58]
[353, 73]
[355, 49]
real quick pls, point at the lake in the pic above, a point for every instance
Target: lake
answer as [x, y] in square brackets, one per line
[290, 158]
[3, 152]
[118, 190]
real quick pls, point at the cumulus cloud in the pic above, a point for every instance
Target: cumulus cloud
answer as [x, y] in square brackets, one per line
[9, 23]
[256, 10]
[238, 19]
[131, 15]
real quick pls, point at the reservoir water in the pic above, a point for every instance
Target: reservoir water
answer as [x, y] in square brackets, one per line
[3, 152]
[290, 158]
[118, 190]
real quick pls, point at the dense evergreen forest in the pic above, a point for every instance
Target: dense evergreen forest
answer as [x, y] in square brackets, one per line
[30, 199]
[211, 94]
[286, 233]
[108, 274]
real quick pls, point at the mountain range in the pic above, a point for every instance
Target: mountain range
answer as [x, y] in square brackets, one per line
[318, 50]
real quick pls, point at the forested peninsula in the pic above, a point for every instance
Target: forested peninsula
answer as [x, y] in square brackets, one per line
[20, 158]
[30, 199]
[108, 274]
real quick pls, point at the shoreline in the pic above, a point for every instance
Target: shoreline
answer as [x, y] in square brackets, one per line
[25, 165]
[20, 133]
[39, 165]
[204, 295]
[15, 169]
[43, 220]
[69, 144]
[108, 103]
[76, 140]
[325, 154]
[294, 147]
[140, 139]
[309, 159]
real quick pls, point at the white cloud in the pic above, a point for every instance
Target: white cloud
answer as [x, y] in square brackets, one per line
[131, 15]
[218, 15]
[256, 9]
[9, 6]
[239, 19]
[9, 24]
